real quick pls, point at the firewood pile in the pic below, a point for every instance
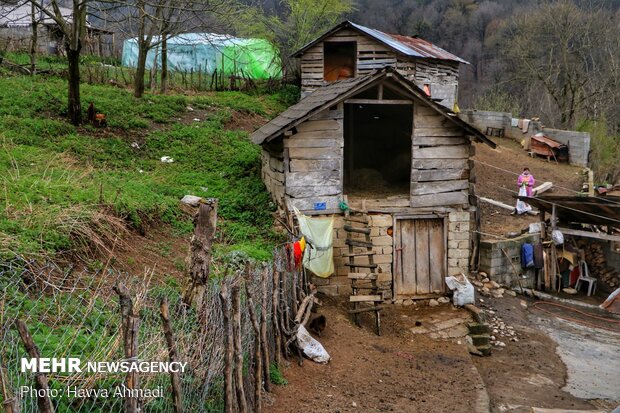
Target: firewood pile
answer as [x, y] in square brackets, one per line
[597, 264]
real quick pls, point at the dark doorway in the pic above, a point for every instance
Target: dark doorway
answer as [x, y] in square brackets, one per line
[377, 149]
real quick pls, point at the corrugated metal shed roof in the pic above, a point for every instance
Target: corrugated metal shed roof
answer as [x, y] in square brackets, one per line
[406, 45]
[582, 209]
[336, 92]
[19, 15]
[544, 139]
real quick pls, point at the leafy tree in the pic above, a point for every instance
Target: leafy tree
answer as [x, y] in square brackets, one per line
[300, 22]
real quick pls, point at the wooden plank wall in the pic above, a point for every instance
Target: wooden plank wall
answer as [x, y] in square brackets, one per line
[314, 156]
[440, 167]
[370, 55]
[443, 76]
[272, 172]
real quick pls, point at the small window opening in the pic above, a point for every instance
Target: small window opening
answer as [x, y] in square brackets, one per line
[338, 60]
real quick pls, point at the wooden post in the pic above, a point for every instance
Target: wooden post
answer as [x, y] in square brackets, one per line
[236, 314]
[175, 380]
[258, 368]
[275, 319]
[43, 401]
[205, 222]
[130, 325]
[8, 401]
[228, 354]
[263, 331]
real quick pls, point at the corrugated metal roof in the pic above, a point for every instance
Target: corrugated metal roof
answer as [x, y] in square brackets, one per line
[587, 210]
[406, 45]
[336, 92]
[410, 46]
[544, 139]
[19, 15]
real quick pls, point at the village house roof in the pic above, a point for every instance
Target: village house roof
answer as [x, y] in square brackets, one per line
[409, 46]
[336, 92]
[19, 15]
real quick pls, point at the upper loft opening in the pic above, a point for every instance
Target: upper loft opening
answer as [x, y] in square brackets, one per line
[339, 60]
[377, 149]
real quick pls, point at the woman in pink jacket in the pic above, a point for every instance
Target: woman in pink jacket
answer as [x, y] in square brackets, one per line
[526, 179]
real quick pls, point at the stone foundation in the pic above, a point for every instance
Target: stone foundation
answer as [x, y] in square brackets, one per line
[459, 248]
[501, 268]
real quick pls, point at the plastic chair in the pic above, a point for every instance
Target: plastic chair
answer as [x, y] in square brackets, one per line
[584, 276]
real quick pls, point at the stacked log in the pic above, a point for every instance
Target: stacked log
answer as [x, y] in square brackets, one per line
[597, 264]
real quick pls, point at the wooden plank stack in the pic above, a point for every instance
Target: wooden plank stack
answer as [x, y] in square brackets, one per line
[597, 264]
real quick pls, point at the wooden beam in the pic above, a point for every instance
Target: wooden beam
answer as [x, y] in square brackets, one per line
[379, 102]
[588, 234]
[496, 203]
[542, 188]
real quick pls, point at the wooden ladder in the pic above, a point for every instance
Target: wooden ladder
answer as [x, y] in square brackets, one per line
[366, 272]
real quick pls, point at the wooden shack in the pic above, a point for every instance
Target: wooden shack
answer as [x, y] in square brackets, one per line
[16, 32]
[380, 143]
[350, 50]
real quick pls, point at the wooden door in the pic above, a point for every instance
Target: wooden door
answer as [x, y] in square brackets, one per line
[419, 256]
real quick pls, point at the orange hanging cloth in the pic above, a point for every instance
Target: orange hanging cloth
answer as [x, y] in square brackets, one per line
[298, 250]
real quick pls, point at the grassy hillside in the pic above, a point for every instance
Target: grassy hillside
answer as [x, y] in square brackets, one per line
[66, 188]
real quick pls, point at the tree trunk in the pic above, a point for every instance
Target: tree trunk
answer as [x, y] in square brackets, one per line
[200, 253]
[74, 105]
[164, 63]
[138, 83]
[33, 39]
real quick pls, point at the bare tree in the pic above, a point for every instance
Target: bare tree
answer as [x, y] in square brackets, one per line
[73, 28]
[565, 58]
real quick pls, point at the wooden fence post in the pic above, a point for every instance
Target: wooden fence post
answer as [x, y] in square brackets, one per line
[228, 354]
[236, 313]
[263, 330]
[131, 327]
[205, 222]
[275, 318]
[175, 380]
[43, 400]
[258, 368]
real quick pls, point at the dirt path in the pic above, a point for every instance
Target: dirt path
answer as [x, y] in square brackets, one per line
[399, 371]
[527, 373]
[421, 364]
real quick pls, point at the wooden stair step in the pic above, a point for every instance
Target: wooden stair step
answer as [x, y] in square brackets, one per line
[349, 228]
[356, 243]
[361, 276]
[361, 265]
[365, 309]
[361, 220]
[359, 254]
[364, 298]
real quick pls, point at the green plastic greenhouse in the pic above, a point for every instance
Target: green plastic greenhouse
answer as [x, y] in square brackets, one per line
[208, 52]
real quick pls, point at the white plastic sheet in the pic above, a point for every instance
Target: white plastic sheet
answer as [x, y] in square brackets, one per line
[523, 207]
[319, 254]
[463, 290]
[311, 348]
